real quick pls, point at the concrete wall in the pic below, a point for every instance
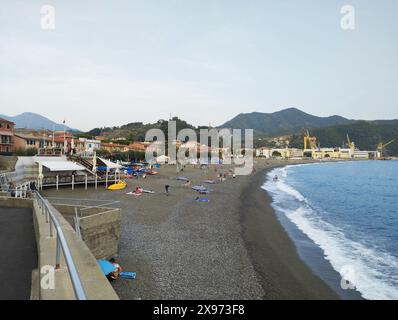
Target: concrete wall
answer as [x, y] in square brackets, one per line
[96, 285]
[7, 163]
[99, 227]
[7, 202]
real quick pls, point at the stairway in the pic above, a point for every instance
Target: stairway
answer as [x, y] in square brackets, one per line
[84, 162]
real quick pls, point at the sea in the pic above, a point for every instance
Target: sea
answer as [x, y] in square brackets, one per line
[343, 219]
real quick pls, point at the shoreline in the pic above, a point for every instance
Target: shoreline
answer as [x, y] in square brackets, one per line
[231, 248]
[283, 274]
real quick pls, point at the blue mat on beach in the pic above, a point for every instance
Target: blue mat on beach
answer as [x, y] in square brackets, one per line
[199, 188]
[128, 275]
[202, 200]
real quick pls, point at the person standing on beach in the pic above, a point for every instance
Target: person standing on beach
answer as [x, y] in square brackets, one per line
[167, 189]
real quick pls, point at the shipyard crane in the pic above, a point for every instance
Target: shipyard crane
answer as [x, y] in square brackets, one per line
[381, 146]
[309, 141]
[351, 144]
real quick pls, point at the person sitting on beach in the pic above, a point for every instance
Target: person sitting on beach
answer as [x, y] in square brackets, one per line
[187, 183]
[116, 273]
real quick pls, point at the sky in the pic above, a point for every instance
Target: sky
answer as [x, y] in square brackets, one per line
[109, 63]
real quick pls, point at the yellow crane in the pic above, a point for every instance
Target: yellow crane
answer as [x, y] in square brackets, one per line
[309, 141]
[351, 144]
[381, 146]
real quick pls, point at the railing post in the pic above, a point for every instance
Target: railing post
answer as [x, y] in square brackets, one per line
[51, 228]
[62, 245]
[58, 254]
[46, 212]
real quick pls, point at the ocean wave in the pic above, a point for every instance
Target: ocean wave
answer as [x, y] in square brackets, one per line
[375, 272]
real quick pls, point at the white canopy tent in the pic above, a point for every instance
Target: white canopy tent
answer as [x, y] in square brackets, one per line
[110, 164]
[58, 165]
[62, 166]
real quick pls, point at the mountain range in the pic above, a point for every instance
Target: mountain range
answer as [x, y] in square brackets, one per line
[30, 120]
[330, 131]
[282, 122]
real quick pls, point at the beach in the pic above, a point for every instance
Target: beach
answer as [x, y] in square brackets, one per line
[230, 248]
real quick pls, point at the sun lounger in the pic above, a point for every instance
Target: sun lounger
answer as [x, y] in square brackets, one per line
[148, 191]
[134, 193]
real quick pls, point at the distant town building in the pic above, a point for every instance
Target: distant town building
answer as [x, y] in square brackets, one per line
[114, 147]
[90, 145]
[6, 136]
[364, 155]
[137, 146]
[68, 142]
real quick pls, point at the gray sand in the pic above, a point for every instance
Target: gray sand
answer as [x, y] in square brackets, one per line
[230, 248]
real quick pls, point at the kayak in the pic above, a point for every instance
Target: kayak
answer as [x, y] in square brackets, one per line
[118, 186]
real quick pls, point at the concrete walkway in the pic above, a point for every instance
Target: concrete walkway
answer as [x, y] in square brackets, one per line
[18, 253]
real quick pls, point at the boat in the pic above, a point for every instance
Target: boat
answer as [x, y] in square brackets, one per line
[118, 186]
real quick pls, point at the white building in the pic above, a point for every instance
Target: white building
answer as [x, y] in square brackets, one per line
[89, 145]
[361, 155]
[263, 153]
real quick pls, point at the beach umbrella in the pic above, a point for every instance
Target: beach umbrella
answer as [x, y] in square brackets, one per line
[106, 266]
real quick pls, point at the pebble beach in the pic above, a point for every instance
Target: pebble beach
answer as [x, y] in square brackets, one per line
[232, 247]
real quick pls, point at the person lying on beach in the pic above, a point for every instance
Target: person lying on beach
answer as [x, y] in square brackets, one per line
[116, 273]
[186, 183]
[138, 190]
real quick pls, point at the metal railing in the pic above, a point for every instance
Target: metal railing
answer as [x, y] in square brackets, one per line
[61, 245]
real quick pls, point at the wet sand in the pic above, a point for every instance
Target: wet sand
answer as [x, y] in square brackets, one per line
[230, 248]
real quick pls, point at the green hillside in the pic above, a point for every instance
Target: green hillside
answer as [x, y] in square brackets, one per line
[287, 121]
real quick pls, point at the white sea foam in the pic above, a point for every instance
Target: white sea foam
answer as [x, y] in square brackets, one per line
[376, 272]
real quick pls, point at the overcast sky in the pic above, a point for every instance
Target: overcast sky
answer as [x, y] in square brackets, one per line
[113, 62]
